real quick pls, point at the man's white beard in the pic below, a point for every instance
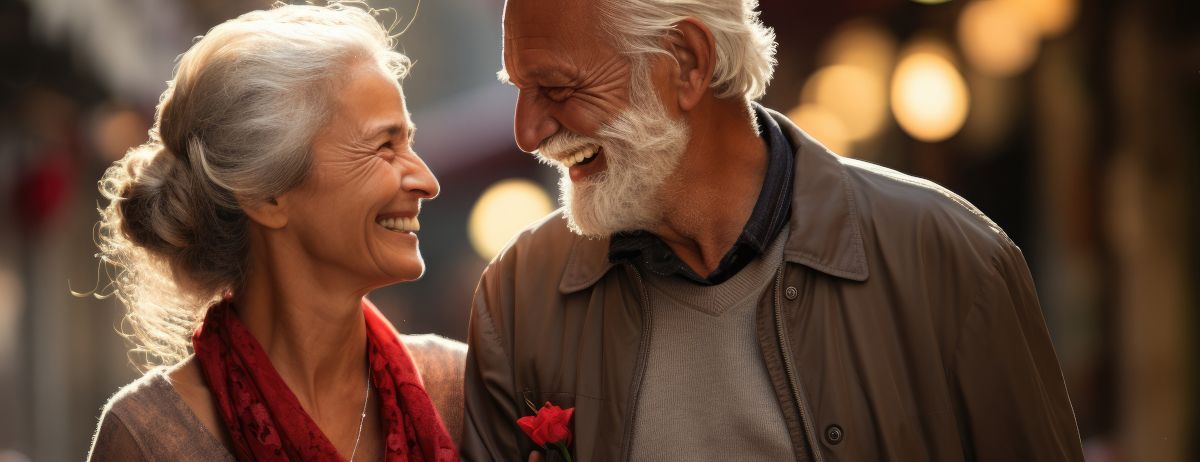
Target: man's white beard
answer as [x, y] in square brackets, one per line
[642, 148]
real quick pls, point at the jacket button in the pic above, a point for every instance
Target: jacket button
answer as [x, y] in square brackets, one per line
[834, 434]
[791, 292]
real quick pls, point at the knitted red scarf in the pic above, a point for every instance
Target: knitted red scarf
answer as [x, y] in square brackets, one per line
[266, 421]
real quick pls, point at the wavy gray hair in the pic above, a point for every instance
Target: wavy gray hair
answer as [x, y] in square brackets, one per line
[745, 48]
[235, 124]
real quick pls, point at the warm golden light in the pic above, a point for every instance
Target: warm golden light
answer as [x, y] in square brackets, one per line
[504, 209]
[118, 131]
[855, 95]
[823, 125]
[862, 43]
[929, 97]
[1052, 17]
[997, 38]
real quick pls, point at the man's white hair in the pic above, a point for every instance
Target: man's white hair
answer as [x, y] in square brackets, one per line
[745, 48]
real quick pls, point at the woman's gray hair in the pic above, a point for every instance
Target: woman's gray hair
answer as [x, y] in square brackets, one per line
[234, 126]
[745, 48]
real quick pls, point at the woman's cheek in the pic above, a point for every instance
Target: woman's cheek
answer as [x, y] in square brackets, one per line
[388, 176]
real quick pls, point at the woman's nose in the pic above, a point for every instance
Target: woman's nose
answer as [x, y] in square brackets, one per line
[420, 180]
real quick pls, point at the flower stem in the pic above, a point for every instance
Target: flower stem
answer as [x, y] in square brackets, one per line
[562, 448]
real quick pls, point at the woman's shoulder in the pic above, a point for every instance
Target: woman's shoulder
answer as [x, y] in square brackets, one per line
[143, 393]
[148, 420]
[434, 348]
[119, 435]
[441, 362]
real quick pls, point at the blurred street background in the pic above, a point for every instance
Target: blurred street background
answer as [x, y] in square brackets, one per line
[1074, 124]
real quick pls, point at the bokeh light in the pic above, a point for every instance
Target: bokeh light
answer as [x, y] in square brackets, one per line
[863, 43]
[116, 131]
[504, 209]
[997, 38]
[929, 98]
[823, 125]
[1052, 17]
[855, 95]
[12, 297]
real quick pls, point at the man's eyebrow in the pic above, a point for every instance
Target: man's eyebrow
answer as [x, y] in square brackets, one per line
[551, 76]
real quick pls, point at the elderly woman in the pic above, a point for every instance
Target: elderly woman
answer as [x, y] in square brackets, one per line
[279, 187]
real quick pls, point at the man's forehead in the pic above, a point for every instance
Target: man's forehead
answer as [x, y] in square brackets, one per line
[547, 17]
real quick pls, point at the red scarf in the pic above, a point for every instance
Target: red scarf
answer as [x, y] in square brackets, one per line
[266, 421]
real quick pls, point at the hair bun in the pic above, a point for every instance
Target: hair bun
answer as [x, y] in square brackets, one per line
[236, 123]
[157, 200]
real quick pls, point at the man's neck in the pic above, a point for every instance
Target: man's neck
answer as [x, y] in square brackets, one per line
[712, 194]
[312, 329]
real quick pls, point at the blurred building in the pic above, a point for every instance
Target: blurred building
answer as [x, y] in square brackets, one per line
[1072, 123]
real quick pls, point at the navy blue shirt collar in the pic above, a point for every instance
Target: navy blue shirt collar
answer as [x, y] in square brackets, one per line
[766, 221]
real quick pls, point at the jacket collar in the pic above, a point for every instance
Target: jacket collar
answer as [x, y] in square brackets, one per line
[826, 230]
[586, 265]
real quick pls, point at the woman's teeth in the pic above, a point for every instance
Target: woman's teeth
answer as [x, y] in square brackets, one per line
[580, 156]
[402, 224]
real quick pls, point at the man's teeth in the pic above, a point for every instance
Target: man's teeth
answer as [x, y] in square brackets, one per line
[580, 155]
[403, 224]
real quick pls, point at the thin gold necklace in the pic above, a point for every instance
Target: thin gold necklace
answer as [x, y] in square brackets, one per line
[363, 418]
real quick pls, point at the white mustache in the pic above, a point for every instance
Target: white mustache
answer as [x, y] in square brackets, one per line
[554, 148]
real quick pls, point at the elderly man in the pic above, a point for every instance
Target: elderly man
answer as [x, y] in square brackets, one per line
[720, 286]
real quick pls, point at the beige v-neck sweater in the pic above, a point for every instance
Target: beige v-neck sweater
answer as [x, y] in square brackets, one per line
[706, 394]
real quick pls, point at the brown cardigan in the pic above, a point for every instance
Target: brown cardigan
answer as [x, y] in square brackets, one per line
[148, 419]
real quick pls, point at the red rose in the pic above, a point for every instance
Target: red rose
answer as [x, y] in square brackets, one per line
[551, 425]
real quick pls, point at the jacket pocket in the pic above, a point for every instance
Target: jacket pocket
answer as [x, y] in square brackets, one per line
[537, 399]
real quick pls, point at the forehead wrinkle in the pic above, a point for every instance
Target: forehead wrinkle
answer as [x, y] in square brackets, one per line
[554, 12]
[521, 46]
[533, 35]
[551, 34]
[610, 69]
[542, 66]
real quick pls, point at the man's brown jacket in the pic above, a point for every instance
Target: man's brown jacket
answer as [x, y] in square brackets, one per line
[902, 326]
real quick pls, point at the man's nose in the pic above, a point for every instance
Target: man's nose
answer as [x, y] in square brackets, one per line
[532, 122]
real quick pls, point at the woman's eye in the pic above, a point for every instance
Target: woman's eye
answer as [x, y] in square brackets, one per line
[386, 151]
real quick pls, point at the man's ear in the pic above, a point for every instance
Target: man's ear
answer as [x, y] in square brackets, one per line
[270, 213]
[695, 53]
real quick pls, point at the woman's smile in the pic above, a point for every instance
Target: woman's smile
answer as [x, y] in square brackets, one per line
[400, 224]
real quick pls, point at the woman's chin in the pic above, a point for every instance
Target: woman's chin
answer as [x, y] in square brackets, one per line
[406, 271]
[397, 264]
